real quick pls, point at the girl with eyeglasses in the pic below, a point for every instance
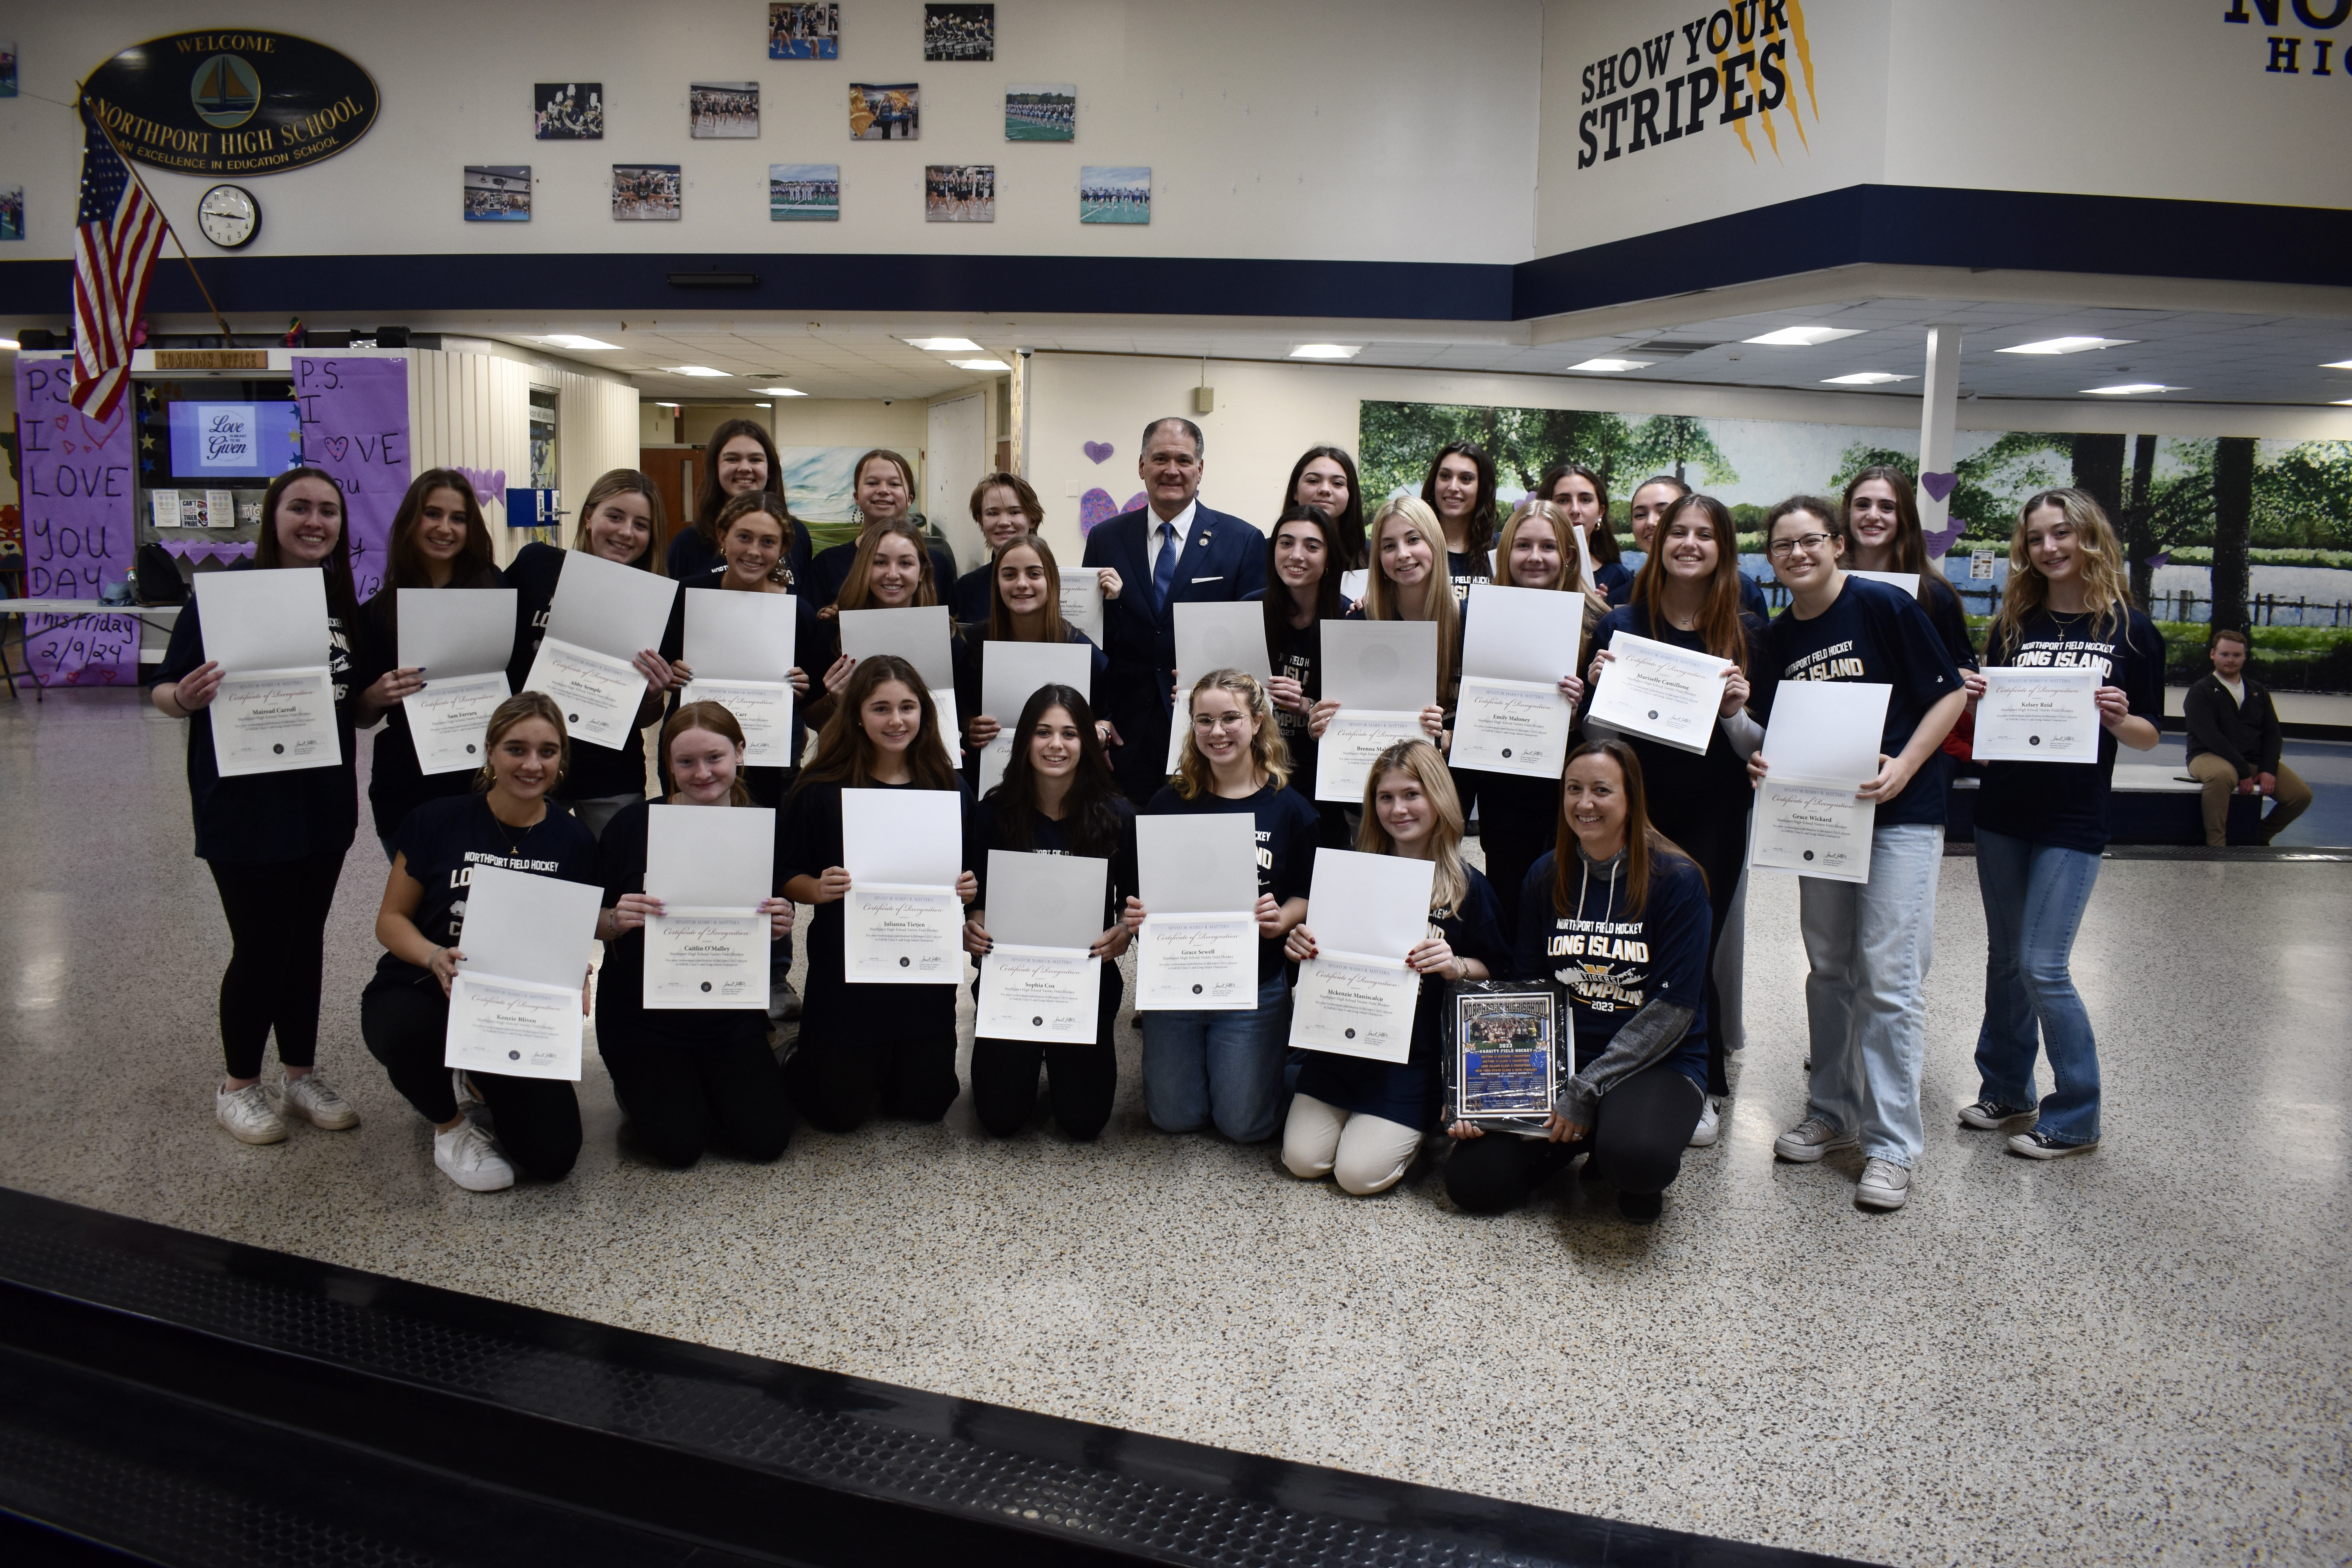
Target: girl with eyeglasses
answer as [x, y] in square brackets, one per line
[1868, 944]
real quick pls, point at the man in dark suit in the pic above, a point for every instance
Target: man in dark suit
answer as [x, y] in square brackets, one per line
[1173, 551]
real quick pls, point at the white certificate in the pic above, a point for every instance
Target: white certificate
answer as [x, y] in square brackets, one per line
[2030, 715]
[1082, 602]
[917, 634]
[1829, 731]
[1655, 690]
[1906, 580]
[1511, 727]
[1352, 743]
[763, 709]
[513, 1027]
[1210, 637]
[1388, 665]
[1814, 829]
[1198, 950]
[465, 631]
[1010, 674]
[449, 720]
[1352, 1004]
[264, 620]
[1357, 996]
[733, 636]
[608, 609]
[706, 957]
[1521, 634]
[600, 695]
[899, 935]
[1369, 904]
[1048, 993]
[275, 722]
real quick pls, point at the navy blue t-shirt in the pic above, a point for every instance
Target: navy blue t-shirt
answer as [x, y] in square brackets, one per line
[1872, 632]
[621, 980]
[1465, 568]
[1408, 1092]
[970, 600]
[2066, 803]
[829, 573]
[445, 839]
[1612, 961]
[1286, 827]
[1751, 597]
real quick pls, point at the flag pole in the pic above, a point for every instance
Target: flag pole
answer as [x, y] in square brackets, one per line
[228, 339]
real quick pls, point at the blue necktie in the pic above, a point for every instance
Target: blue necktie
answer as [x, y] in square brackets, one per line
[1163, 571]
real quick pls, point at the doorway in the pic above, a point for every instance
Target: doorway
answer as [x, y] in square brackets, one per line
[956, 457]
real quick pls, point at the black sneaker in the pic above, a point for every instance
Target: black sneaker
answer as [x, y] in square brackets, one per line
[1640, 1208]
[1993, 1116]
[2038, 1145]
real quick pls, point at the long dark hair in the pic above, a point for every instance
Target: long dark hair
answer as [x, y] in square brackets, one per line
[1478, 534]
[1910, 536]
[1603, 540]
[1330, 604]
[709, 498]
[1644, 845]
[843, 753]
[1090, 822]
[343, 598]
[1720, 630]
[1344, 539]
[477, 564]
[1000, 614]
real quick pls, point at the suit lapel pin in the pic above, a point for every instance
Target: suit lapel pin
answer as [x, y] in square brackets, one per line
[1204, 539]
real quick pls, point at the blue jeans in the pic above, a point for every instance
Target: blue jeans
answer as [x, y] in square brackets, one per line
[1869, 945]
[1220, 1067]
[2034, 895]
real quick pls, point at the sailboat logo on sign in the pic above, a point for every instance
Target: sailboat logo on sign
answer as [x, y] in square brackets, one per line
[225, 91]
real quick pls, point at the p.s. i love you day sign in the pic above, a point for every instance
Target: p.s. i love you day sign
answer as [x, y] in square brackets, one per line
[77, 479]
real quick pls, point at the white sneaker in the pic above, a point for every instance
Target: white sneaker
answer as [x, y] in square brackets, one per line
[247, 1114]
[469, 1157]
[1884, 1184]
[314, 1099]
[1709, 1128]
[1809, 1140]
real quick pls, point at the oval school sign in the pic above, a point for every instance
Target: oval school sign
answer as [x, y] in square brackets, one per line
[241, 103]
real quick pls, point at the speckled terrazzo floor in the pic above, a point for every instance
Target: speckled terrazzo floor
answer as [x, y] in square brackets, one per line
[2136, 1357]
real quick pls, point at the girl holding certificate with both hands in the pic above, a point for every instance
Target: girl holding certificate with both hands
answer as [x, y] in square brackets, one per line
[684, 1074]
[887, 1046]
[618, 522]
[1302, 572]
[1224, 1069]
[1617, 916]
[1409, 583]
[752, 530]
[2040, 825]
[891, 571]
[405, 1011]
[1057, 798]
[1361, 1120]
[275, 841]
[1687, 595]
[1023, 604]
[1868, 944]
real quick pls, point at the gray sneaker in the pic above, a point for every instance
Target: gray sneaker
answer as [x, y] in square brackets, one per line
[471, 1157]
[1884, 1185]
[314, 1099]
[1809, 1140]
[248, 1115]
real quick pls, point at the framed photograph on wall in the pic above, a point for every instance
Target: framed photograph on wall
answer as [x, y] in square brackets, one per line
[12, 212]
[497, 193]
[1041, 112]
[722, 110]
[960, 193]
[959, 32]
[7, 69]
[1114, 193]
[568, 110]
[885, 112]
[645, 192]
[798, 32]
[805, 193]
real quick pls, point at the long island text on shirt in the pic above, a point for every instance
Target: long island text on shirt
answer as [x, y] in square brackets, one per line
[2066, 653]
[1609, 957]
[1836, 662]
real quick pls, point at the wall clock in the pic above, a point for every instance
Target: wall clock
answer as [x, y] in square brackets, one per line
[229, 217]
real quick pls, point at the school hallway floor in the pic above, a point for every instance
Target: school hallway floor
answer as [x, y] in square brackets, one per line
[2139, 1356]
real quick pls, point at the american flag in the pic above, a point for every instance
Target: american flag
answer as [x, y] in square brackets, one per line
[116, 240]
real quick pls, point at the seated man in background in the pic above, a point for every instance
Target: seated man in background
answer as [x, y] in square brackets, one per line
[2234, 742]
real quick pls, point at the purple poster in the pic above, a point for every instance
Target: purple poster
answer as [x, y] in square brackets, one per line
[355, 426]
[78, 489]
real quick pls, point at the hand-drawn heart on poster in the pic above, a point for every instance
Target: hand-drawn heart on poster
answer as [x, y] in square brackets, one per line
[355, 426]
[77, 476]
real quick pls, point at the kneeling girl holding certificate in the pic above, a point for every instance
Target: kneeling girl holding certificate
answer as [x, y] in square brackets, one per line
[405, 1011]
[1223, 1066]
[1058, 799]
[876, 1044]
[1359, 1119]
[692, 907]
[1617, 916]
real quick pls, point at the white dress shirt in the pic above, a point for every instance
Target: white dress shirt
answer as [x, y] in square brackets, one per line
[1182, 523]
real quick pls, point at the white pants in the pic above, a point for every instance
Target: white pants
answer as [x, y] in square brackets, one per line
[1367, 1154]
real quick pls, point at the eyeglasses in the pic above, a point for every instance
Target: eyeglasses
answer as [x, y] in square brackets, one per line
[1779, 548]
[1204, 722]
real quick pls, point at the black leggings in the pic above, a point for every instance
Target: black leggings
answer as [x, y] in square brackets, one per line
[1639, 1133]
[681, 1099]
[1081, 1081]
[406, 1028]
[839, 1083]
[277, 937]
[1713, 832]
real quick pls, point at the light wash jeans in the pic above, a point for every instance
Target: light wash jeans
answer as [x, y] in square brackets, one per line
[1869, 945]
[2034, 895]
[1224, 1069]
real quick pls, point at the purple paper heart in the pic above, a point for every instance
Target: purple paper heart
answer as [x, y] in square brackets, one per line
[1939, 487]
[2159, 560]
[1095, 506]
[1098, 450]
[1939, 543]
[1134, 502]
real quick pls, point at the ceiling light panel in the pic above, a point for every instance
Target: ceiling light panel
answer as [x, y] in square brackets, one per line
[943, 345]
[694, 370]
[1327, 351]
[2066, 345]
[1805, 337]
[2338, 365]
[575, 342]
[980, 364]
[1610, 366]
[1866, 378]
[779, 392]
[2130, 389]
